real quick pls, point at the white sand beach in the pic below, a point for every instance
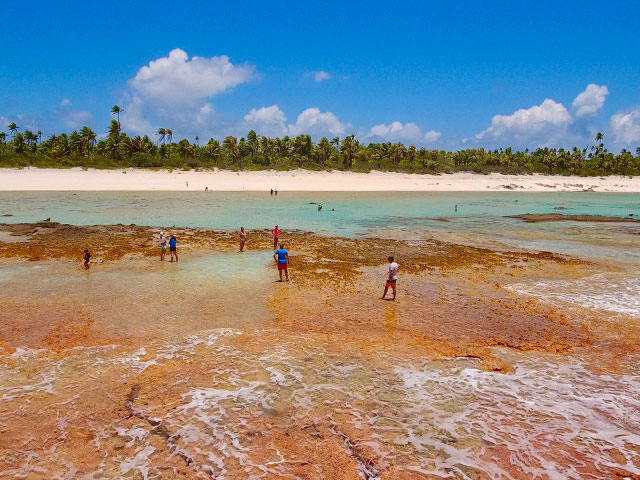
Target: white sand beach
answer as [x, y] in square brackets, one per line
[77, 179]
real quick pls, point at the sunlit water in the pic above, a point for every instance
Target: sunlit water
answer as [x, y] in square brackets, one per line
[446, 418]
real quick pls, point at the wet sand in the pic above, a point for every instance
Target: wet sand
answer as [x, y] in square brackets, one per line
[99, 384]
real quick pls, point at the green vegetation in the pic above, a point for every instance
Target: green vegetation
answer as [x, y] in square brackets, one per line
[118, 150]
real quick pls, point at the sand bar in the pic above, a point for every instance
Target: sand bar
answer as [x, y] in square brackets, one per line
[32, 179]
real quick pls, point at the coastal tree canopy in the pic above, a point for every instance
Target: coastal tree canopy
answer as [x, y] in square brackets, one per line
[255, 152]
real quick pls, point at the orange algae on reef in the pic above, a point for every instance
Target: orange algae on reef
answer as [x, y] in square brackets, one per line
[330, 382]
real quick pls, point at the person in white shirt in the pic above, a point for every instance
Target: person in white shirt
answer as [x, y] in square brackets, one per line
[391, 279]
[163, 246]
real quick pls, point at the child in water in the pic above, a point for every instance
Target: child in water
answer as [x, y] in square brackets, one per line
[87, 257]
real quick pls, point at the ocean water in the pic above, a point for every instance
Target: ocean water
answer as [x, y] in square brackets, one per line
[353, 212]
[479, 214]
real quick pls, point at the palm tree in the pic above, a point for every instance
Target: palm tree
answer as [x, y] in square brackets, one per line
[39, 136]
[230, 146]
[115, 110]
[88, 138]
[161, 135]
[18, 142]
[324, 149]
[3, 137]
[13, 127]
[349, 147]
[169, 134]
[29, 137]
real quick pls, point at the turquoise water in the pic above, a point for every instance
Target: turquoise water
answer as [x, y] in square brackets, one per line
[480, 215]
[354, 212]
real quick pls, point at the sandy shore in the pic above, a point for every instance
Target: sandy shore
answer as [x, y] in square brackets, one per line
[299, 180]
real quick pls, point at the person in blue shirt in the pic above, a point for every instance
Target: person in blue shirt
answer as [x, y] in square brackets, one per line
[281, 257]
[173, 248]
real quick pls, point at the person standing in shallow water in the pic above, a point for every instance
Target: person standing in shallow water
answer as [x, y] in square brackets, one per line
[276, 233]
[392, 279]
[87, 257]
[163, 246]
[173, 248]
[281, 257]
[243, 238]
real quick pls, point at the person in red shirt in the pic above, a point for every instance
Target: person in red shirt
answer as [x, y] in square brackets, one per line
[276, 232]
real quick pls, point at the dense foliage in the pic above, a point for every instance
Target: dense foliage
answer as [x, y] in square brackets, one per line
[118, 150]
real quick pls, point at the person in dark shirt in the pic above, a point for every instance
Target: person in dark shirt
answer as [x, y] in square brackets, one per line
[173, 248]
[87, 257]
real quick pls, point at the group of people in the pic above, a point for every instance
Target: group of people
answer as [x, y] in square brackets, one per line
[280, 257]
[173, 247]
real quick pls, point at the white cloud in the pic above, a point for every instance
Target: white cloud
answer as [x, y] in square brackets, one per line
[272, 121]
[316, 123]
[133, 118]
[397, 131]
[528, 122]
[432, 136]
[76, 118]
[65, 102]
[626, 126]
[269, 121]
[173, 92]
[176, 80]
[589, 102]
[321, 76]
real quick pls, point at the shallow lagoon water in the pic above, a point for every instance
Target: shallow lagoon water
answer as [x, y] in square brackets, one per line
[479, 214]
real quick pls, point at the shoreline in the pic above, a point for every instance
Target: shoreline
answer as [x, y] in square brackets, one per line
[77, 179]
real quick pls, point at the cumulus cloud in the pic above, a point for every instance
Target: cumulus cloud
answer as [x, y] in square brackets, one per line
[317, 123]
[174, 91]
[321, 76]
[176, 80]
[397, 131]
[626, 126]
[589, 102]
[527, 122]
[65, 102]
[432, 136]
[272, 121]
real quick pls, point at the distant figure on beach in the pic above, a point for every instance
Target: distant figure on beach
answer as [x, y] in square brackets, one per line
[276, 233]
[243, 238]
[173, 248]
[319, 207]
[272, 192]
[187, 184]
[281, 257]
[456, 208]
[275, 192]
[163, 246]
[206, 189]
[391, 279]
[87, 257]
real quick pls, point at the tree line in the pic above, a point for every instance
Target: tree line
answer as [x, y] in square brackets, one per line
[255, 152]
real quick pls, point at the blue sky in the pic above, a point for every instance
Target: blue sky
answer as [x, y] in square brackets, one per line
[441, 71]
